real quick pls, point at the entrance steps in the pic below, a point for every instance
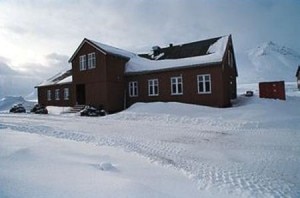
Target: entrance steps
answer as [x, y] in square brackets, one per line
[76, 109]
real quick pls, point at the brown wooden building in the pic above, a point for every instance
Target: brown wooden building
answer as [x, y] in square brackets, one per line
[202, 72]
[298, 77]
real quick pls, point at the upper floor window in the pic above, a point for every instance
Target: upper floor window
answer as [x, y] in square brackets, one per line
[133, 89]
[153, 87]
[230, 58]
[56, 94]
[48, 95]
[82, 62]
[66, 94]
[92, 60]
[176, 85]
[204, 84]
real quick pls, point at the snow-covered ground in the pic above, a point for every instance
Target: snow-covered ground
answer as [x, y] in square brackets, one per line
[156, 150]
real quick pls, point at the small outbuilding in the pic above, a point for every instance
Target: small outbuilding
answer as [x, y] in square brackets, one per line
[274, 90]
[298, 77]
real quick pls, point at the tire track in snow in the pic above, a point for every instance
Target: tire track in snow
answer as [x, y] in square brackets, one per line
[235, 179]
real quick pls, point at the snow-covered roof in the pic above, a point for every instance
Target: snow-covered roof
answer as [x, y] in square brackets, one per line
[63, 77]
[191, 54]
[105, 49]
[214, 54]
[114, 50]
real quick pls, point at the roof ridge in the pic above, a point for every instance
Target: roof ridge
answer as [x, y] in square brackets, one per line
[112, 50]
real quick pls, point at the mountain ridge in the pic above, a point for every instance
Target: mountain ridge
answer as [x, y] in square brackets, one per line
[268, 62]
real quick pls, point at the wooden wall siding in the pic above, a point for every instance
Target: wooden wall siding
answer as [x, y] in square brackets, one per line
[90, 75]
[43, 99]
[274, 90]
[190, 88]
[94, 80]
[298, 78]
[104, 85]
[115, 83]
[230, 72]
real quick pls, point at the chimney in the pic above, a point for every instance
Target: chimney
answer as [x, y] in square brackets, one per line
[171, 45]
[156, 50]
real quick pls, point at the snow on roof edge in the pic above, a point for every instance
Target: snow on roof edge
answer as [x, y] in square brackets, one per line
[51, 81]
[113, 50]
[214, 54]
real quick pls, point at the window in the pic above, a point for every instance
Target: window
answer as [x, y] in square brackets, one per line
[133, 89]
[56, 94]
[66, 93]
[49, 95]
[82, 62]
[230, 59]
[92, 60]
[204, 84]
[153, 87]
[176, 85]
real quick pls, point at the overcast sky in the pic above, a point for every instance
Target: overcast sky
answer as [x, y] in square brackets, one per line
[39, 35]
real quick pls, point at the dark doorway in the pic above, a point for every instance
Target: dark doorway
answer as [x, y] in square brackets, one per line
[80, 94]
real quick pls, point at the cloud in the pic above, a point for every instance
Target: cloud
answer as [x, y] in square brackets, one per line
[52, 64]
[22, 82]
[5, 69]
[13, 82]
[15, 29]
[31, 30]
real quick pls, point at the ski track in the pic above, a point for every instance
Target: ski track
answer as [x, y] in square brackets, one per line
[236, 178]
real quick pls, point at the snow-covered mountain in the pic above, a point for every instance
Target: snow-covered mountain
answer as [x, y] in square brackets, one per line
[16, 83]
[7, 102]
[267, 62]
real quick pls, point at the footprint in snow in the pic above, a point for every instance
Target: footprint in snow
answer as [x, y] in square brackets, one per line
[106, 166]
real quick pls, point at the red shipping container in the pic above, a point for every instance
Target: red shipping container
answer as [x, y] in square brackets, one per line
[273, 90]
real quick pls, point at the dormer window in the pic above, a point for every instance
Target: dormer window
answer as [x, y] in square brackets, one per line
[92, 60]
[82, 62]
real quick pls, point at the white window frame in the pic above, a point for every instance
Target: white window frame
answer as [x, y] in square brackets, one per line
[177, 81]
[153, 87]
[133, 89]
[91, 60]
[56, 94]
[202, 81]
[82, 62]
[49, 95]
[66, 94]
